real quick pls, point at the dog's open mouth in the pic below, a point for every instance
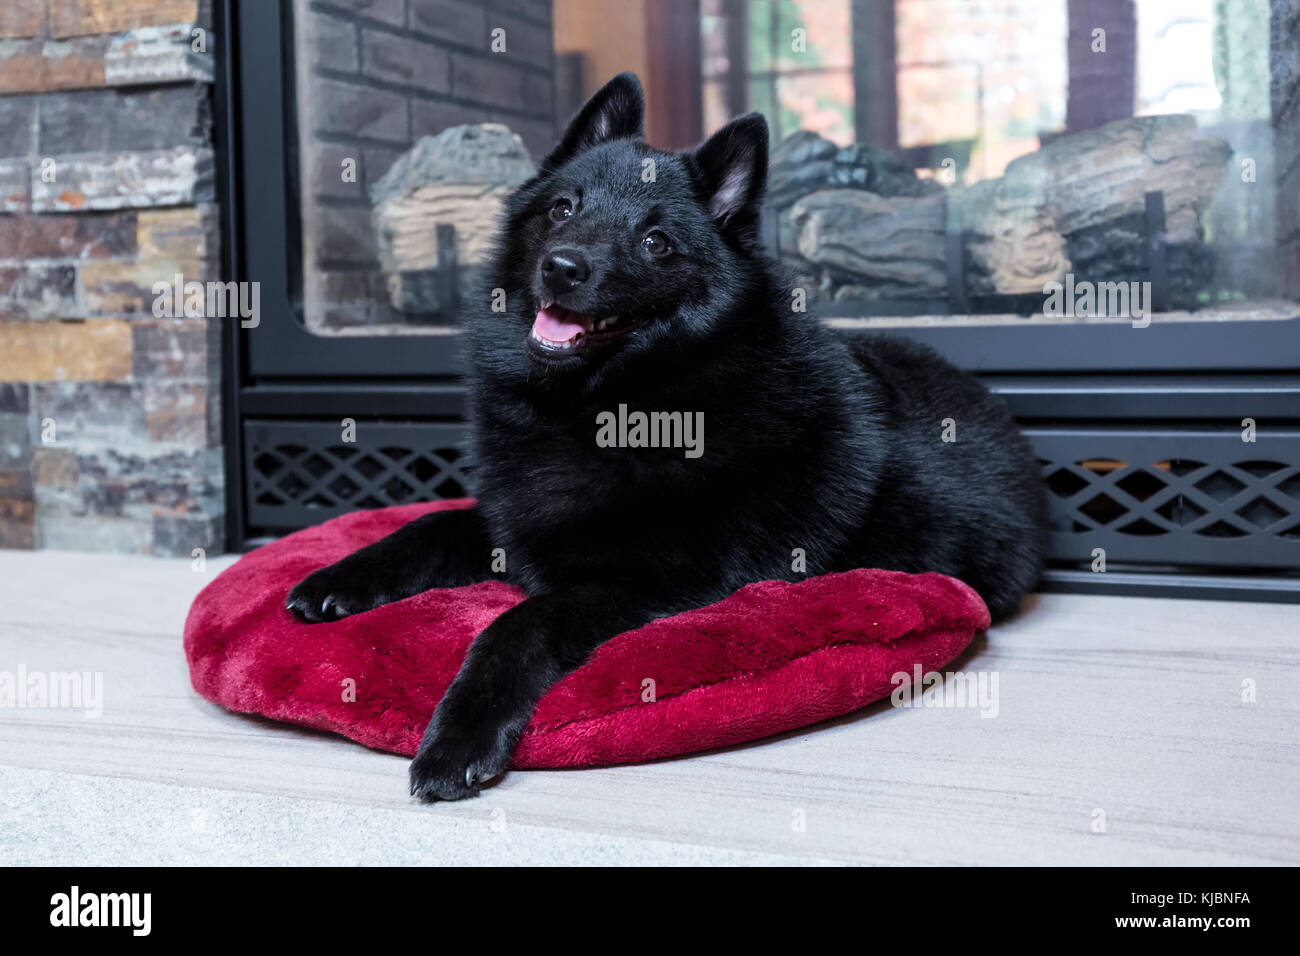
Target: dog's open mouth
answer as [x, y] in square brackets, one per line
[561, 331]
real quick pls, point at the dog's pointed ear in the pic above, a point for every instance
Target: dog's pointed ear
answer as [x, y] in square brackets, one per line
[616, 111]
[733, 167]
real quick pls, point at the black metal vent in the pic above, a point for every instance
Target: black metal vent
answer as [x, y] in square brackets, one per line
[1179, 498]
[301, 473]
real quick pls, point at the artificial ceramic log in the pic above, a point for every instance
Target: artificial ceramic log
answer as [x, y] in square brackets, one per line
[461, 177]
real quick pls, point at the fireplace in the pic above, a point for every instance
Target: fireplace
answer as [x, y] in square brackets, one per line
[1090, 203]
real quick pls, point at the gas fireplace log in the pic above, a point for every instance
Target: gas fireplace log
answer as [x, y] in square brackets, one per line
[1069, 206]
[459, 178]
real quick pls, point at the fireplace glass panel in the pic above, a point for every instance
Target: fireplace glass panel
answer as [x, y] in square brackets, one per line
[972, 162]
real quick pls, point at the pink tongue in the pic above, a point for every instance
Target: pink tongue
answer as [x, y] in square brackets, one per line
[551, 325]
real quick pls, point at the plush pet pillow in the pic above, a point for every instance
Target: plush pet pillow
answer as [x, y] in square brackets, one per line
[772, 657]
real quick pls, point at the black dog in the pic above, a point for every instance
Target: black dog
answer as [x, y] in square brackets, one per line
[630, 282]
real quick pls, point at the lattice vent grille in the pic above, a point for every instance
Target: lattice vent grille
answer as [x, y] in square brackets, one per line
[1228, 501]
[302, 473]
[1164, 499]
[1174, 498]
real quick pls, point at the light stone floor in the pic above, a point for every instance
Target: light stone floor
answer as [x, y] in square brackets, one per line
[1128, 731]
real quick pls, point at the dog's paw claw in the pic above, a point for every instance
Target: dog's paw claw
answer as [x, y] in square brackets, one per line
[441, 774]
[311, 609]
[431, 783]
[315, 601]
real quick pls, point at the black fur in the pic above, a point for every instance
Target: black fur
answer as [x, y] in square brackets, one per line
[809, 443]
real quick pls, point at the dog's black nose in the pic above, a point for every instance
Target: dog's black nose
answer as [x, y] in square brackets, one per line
[564, 269]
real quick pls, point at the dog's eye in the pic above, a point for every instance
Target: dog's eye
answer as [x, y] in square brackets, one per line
[562, 210]
[656, 243]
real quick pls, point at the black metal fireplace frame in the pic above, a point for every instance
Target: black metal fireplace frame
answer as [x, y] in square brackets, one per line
[1171, 384]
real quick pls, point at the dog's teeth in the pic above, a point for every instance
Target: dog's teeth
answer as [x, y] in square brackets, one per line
[567, 346]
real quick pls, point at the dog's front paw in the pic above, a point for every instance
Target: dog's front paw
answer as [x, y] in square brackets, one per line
[451, 766]
[330, 594]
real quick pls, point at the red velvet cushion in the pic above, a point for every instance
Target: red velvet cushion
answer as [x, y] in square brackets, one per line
[772, 657]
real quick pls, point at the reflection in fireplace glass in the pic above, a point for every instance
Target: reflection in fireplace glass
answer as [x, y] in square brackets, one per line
[972, 161]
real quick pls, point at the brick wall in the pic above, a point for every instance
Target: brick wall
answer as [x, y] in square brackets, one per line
[109, 417]
[382, 74]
